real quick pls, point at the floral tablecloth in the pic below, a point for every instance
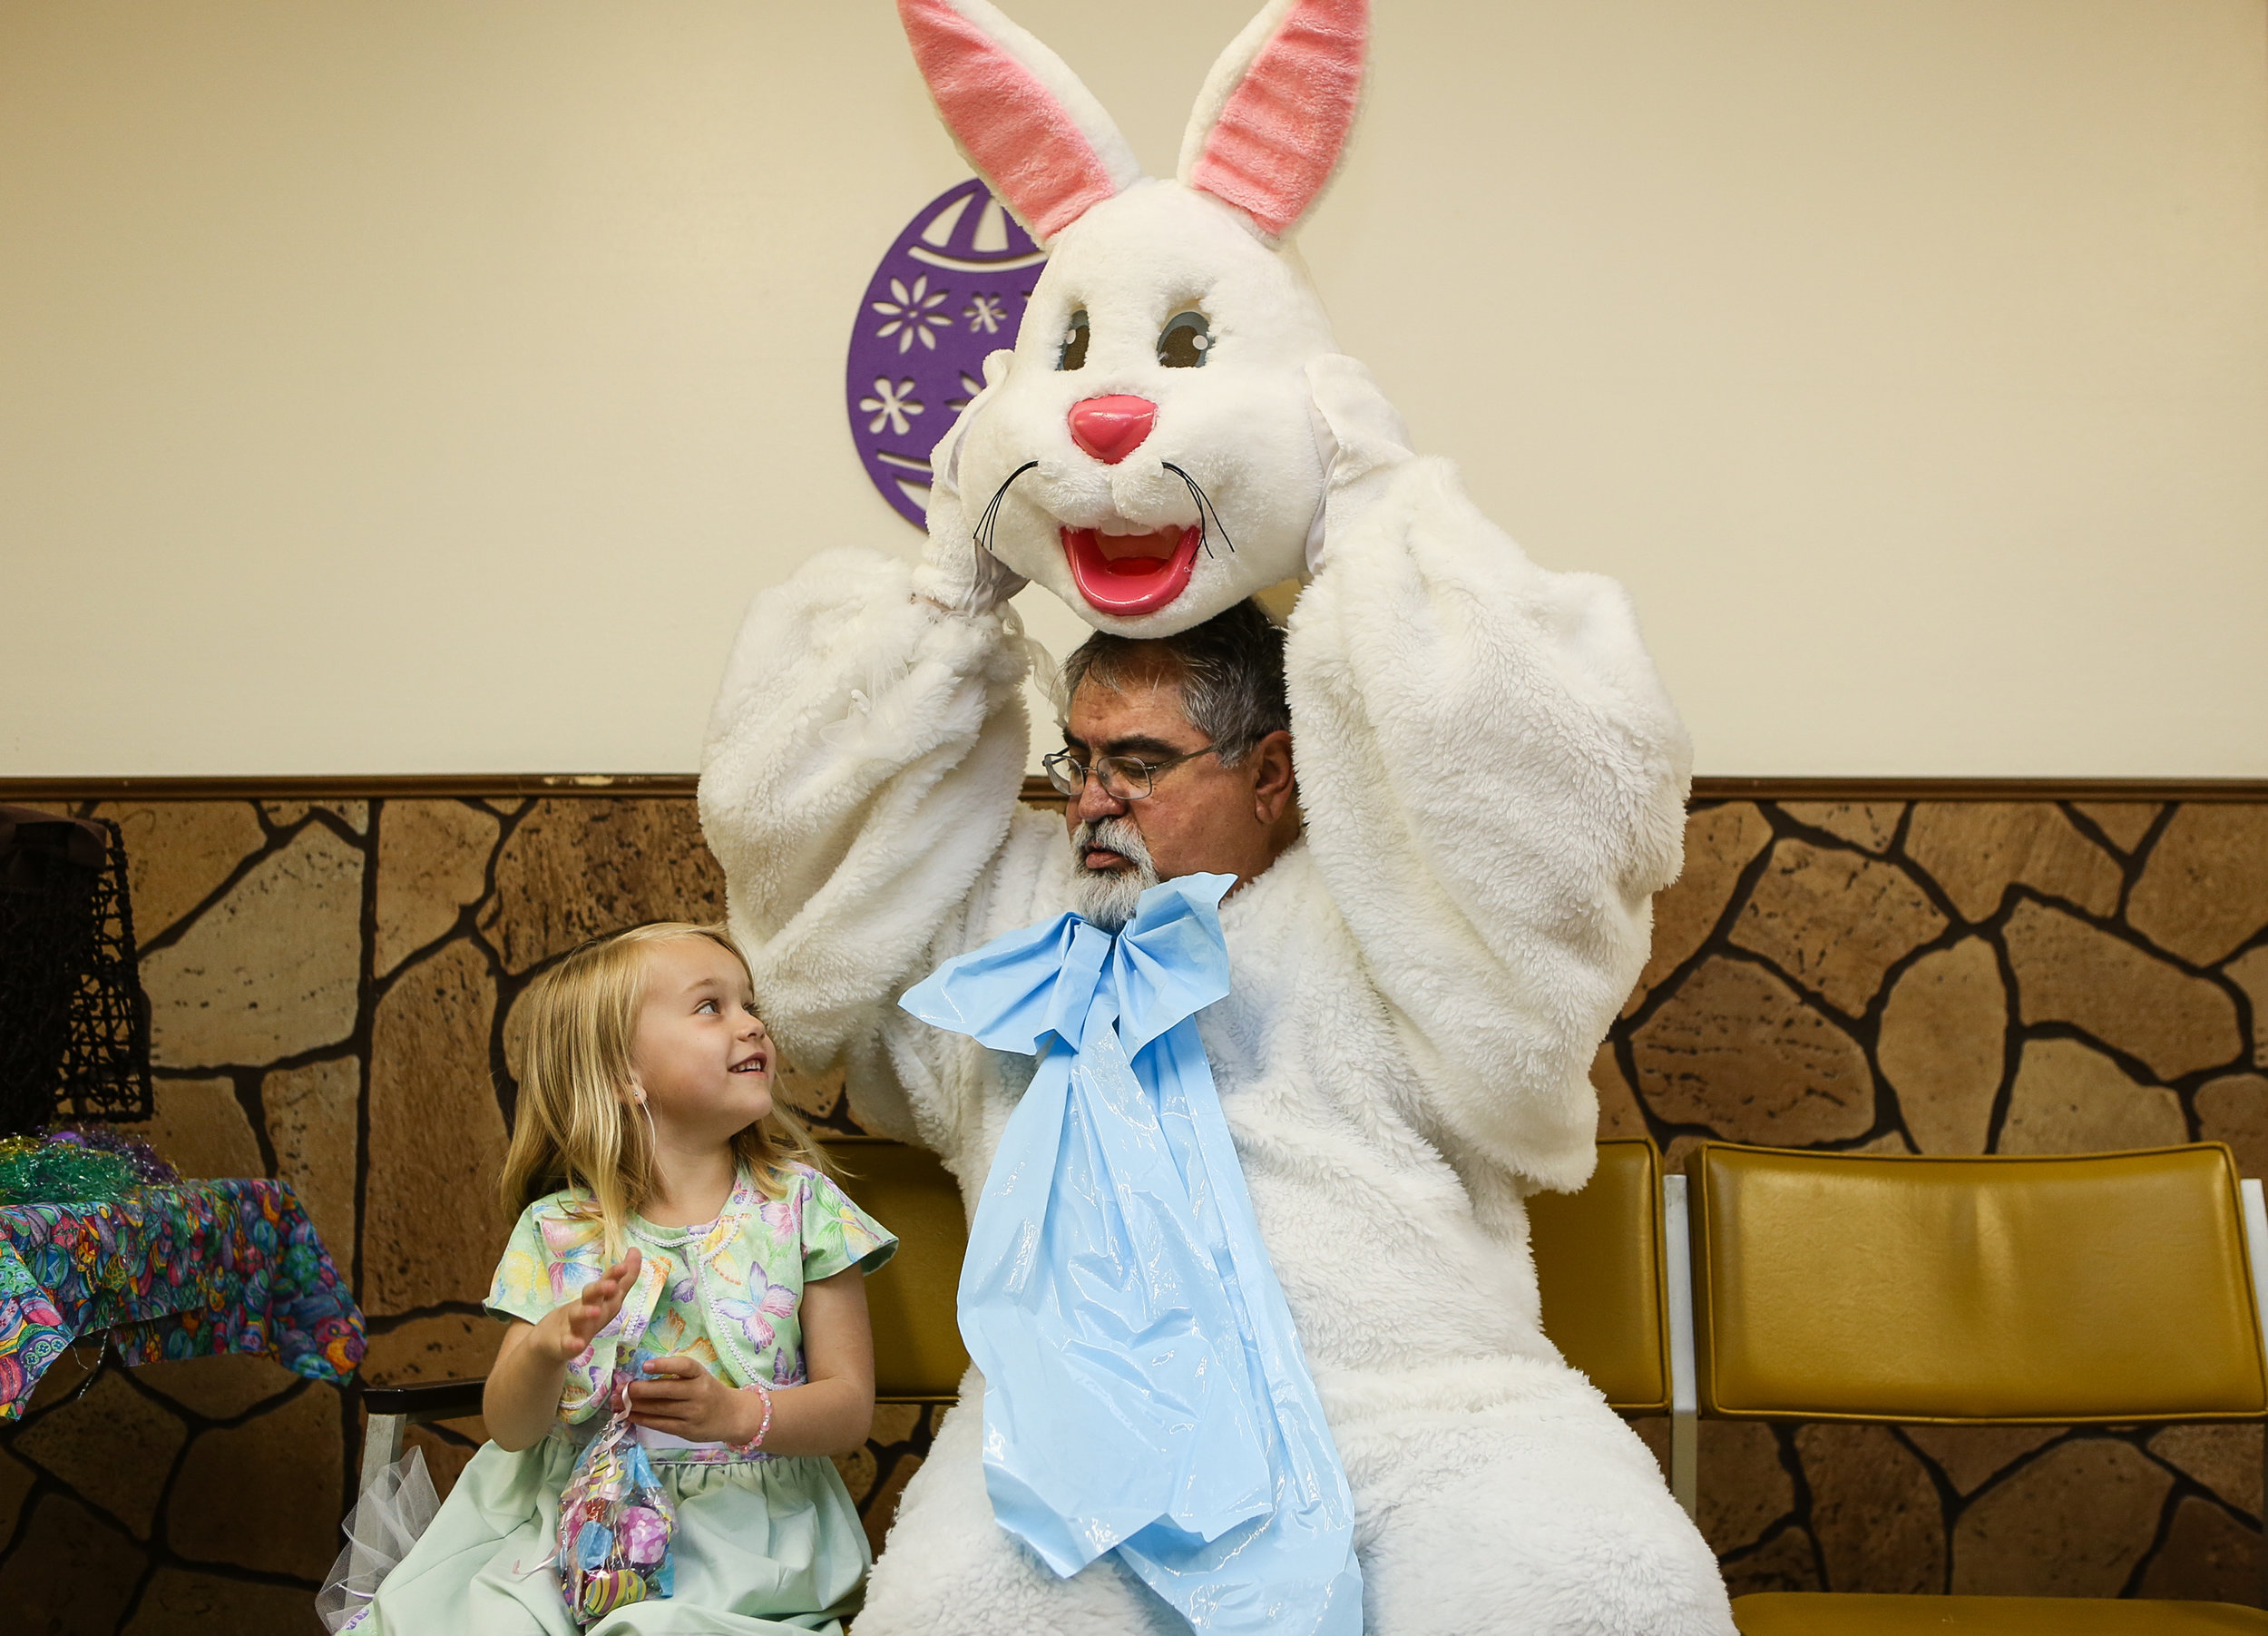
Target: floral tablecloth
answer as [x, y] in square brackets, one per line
[181, 1271]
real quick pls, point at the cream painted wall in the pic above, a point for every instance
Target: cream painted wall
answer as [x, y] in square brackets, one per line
[406, 386]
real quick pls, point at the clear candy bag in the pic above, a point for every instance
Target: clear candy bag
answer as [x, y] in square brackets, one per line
[615, 1525]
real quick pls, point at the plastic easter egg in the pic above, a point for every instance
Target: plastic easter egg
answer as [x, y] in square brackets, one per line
[609, 1589]
[645, 1535]
[951, 290]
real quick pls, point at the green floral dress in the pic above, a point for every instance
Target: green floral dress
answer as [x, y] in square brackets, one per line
[764, 1543]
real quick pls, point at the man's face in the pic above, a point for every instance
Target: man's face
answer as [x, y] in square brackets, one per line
[1199, 818]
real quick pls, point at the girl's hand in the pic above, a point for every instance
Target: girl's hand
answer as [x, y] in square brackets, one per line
[569, 1331]
[682, 1398]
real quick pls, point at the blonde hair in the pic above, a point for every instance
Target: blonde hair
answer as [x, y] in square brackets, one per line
[576, 1127]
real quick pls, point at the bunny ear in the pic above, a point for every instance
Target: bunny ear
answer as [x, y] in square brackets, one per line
[1035, 134]
[1273, 118]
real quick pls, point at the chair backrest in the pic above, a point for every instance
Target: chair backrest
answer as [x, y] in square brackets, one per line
[918, 1354]
[1997, 1290]
[1598, 1264]
[1599, 1259]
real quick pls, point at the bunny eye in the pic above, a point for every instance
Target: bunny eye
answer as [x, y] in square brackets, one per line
[1074, 353]
[1183, 343]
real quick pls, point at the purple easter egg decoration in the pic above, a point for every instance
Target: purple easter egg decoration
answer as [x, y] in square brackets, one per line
[952, 289]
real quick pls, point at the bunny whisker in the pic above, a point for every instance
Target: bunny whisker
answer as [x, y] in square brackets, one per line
[1208, 513]
[991, 518]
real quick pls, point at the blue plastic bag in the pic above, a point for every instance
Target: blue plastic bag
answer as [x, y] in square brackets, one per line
[1145, 1391]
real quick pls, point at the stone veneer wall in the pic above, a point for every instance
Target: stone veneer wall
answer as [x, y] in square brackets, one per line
[332, 983]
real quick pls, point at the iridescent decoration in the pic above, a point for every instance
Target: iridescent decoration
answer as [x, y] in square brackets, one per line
[75, 1164]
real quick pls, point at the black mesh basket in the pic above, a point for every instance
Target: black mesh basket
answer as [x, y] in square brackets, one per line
[75, 1029]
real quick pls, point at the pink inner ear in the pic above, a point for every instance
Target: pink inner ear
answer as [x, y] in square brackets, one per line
[1026, 144]
[1280, 134]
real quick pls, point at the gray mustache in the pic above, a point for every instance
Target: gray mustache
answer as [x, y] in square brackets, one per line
[1117, 834]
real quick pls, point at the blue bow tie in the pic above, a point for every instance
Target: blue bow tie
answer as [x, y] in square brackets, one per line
[1064, 975]
[1145, 1392]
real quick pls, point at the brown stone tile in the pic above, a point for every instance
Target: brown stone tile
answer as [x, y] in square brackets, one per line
[2204, 892]
[1976, 850]
[445, 1458]
[881, 1508]
[817, 1099]
[354, 814]
[16, 1486]
[114, 1445]
[311, 1113]
[895, 1422]
[2126, 822]
[1868, 824]
[75, 1571]
[264, 1494]
[2066, 971]
[1834, 921]
[859, 1471]
[179, 852]
[2224, 1458]
[574, 869]
[504, 804]
[1971, 1455]
[1874, 1510]
[1618, 1113]
[2208, 1556]
[1719, 844]
[221, 1388]
[1889, 1142]
[180, 1602]
[2070, 1099]
[1784, 1563]
[1735, 1050]
[199, 1128]
[433, 860]
[2073, 1523]
[1743, 1488]
[2249, 971]
[268, 971]
[2234, 1109]
[1942, 1045]
[451, 1345]
[432, 1229]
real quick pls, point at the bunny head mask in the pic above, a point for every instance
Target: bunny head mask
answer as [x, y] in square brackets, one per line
[1151, 451]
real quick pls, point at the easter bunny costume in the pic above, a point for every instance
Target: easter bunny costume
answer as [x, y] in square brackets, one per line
[1492, 780]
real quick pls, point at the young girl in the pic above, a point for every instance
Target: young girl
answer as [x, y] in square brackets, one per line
[666, 1198]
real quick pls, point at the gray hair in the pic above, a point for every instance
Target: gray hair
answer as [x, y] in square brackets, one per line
[1230, 668]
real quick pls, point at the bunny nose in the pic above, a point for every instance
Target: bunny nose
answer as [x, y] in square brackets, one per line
[1112, 428]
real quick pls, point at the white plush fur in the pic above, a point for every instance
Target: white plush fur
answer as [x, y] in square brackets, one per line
[1494, 784]
[1240, 425]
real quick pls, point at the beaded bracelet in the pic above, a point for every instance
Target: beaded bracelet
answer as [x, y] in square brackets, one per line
[763, 1428]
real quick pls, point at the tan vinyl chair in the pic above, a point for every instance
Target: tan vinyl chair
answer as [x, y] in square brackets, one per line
[918, 1354]
[2113, 1288]
[1599, 1259]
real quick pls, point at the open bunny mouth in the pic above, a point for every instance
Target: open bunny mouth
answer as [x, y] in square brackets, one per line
[1133, 573]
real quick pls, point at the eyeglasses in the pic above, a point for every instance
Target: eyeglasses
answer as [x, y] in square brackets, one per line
[1124, 778]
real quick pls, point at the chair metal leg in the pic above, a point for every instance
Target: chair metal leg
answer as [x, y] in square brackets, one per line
[381, 1447]
[1685, 1475]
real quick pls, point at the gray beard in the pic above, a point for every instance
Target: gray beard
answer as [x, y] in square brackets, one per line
[1108, 898]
